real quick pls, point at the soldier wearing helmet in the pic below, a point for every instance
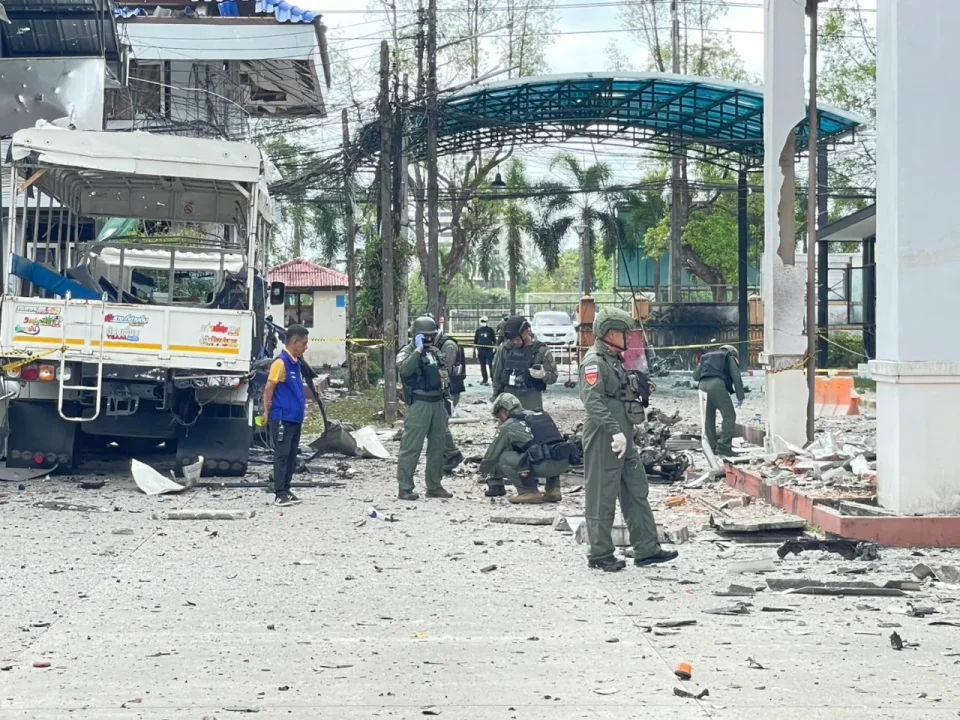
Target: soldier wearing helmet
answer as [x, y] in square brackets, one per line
[527, 446]
[419, 365]
[611, 463]
[718, 375]
[523, 366]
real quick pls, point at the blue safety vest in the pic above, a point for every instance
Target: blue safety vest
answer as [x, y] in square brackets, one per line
[289, 402]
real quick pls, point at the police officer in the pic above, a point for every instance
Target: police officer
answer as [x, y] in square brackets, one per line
[719, 375]
[527, 446]
[453, 364]
[612, 398]
[419, 365]
[484, 343]
[523, 366]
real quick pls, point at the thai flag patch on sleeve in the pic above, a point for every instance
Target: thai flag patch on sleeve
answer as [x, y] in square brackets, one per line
[591, 373]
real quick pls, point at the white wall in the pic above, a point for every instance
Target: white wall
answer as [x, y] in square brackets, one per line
[329, 331]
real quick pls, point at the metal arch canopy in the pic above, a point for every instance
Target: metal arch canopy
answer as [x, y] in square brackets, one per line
[705, 116]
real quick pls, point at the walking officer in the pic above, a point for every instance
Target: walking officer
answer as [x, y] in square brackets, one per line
[613, 400]
[419, 364]
[527, 446]
[718, 375]
[523, 366]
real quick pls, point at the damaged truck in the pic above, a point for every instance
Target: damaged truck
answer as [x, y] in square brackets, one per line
[136, 315]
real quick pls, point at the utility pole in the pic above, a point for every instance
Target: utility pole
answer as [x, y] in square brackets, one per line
[812, 141]
[386, 240]
[433, 188]
[350, 222]
[676, 243]
[403, 205]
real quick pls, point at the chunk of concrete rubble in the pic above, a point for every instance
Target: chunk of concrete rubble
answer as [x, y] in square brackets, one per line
[205, 515]
[780, 522]
[522, 519]
[751, 566]
[568, 523]
[677, 535]
[948, 574]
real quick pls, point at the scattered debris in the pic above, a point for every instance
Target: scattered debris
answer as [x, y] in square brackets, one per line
[122, 531]
[369, 444]
[430, 710]
[564, 523]
[680, 692]
[52, 505]
[741, 608]
[751, 566]
[41, 665]
[848, 549]
[674, 623]
[606, 691]
[19, 475]
[684, 671]
[152, 482]
[769, 608]
[92, 485]
[780, 522]
[736, 591]
[677, 535]
[675, 501]
[206, 515]
[242, 709]
[947, 574]
[488, 569]
[754, 664]
[895, 641]
[849, 591]
[305, 560]
[521, 520]
[375, 514]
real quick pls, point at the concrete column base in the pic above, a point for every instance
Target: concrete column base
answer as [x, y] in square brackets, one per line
[786, 393]
[918, 431]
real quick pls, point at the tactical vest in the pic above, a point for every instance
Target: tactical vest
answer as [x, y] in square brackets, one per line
[426, 380]
[486, 338]
[517, 364]
[547, 443]
[716, 365]
[289, 402]
[459, 371]
[634, 390]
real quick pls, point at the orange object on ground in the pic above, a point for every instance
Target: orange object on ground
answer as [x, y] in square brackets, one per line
[675, 501]
[684, 671]
[835, 397]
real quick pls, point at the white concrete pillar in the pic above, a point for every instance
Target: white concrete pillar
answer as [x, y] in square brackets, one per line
[918, 257]
[784, 344]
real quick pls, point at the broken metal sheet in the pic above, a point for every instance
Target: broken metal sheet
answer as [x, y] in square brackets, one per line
[521, 520]
[369, 444]
[21, 474]
[848, 549]
[848, 591]
[152, 482]
[51, 89]
[69, 506]
[948, 574]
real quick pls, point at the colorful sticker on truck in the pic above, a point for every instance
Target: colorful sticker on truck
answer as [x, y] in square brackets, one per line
[220, 335]
[34, 319]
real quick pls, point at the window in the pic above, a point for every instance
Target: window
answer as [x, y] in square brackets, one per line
[298, 309]
[144, 96]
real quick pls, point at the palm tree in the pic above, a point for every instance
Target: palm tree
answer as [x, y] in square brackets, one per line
[585, 211]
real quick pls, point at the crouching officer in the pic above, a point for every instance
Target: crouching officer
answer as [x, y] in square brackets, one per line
[613, 399]
[527, 446]
[523, 366]
[718, 375]
[419, 365]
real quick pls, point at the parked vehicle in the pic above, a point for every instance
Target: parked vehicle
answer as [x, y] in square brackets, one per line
[554, 328]
[147, 335]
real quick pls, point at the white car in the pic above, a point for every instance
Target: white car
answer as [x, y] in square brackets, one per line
[554, 328]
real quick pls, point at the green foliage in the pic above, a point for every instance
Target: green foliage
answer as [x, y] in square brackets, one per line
[374, 366]
[845, 350]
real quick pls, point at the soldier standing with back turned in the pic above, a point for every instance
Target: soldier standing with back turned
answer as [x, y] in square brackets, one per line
[718, 375]
[612, 398]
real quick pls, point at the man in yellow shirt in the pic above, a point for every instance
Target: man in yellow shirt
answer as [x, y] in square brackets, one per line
[284, 408]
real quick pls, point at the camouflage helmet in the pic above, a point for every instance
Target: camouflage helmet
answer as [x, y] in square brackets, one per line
[508, 402]
[608, 319]
[732, 350]
[424, 325]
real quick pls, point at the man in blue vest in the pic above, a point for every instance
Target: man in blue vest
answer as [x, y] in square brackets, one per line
[284, 406]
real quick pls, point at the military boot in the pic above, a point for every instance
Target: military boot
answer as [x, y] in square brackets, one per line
[495, 491]
[552, 495]
[527, 498]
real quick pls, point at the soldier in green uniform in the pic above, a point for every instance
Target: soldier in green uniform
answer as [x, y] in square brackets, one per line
[500, 325]
[523, 366]
[613, 400]
[453, 364]
[527, 446]
[419, 366]
[718, 375]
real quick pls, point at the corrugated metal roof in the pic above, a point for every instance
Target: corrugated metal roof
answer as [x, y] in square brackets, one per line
[59, 27]
[282, 10]
[300, 273]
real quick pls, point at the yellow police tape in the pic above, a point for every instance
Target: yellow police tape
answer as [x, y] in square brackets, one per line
[17, 364]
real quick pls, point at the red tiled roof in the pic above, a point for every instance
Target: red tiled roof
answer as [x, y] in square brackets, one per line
[300, 273]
